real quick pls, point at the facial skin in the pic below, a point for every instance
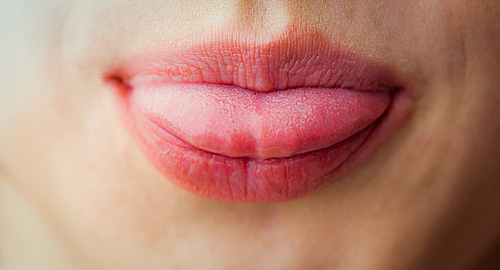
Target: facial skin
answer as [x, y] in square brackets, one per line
[427, 199]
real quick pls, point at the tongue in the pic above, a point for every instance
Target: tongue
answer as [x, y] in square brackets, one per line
[236, 122]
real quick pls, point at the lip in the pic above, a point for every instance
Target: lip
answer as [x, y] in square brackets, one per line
[241, 120]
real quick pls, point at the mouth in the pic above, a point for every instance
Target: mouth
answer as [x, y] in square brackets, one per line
[242, 121]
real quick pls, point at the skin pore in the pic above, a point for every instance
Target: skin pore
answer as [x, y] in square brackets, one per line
[428, 198]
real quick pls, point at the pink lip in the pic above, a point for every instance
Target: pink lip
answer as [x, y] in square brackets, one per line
[253, 122]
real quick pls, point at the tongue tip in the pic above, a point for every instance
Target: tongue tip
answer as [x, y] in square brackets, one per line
[239, 123]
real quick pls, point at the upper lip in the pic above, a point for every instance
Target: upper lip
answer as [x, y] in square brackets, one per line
[301, 58]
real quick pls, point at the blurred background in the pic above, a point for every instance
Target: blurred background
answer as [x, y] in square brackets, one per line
[26, 241]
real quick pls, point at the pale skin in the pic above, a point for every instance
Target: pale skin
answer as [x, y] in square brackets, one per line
[427, 199]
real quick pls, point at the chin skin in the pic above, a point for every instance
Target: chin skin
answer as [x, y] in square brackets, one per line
[424, 198]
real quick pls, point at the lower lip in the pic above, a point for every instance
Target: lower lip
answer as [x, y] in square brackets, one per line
[249, 176]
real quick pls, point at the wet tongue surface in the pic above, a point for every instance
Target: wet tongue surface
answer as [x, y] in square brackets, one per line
[236, 122]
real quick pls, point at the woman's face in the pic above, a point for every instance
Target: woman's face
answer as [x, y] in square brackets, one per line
[421, 191]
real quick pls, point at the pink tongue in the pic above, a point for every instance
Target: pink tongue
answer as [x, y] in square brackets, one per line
[236, 122]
